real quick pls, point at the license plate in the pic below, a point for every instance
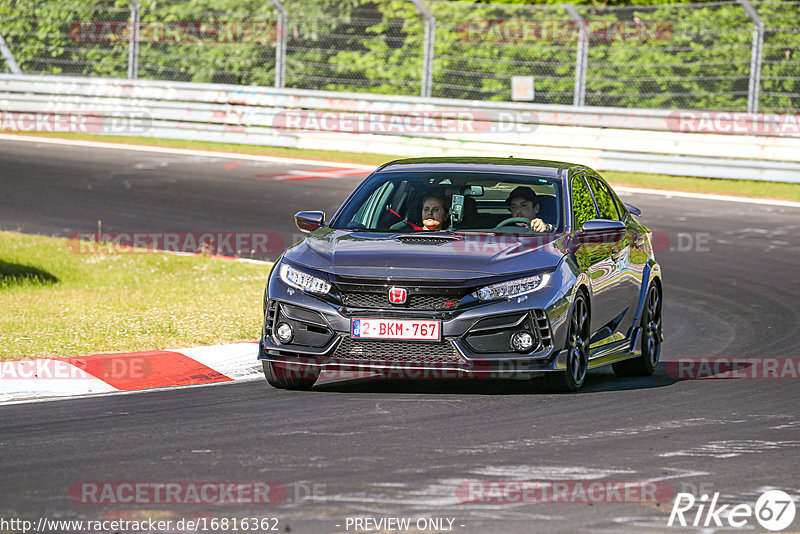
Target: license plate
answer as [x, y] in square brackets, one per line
[413, 329]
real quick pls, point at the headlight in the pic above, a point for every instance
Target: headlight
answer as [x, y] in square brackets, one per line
[514, 288]
[300, 280]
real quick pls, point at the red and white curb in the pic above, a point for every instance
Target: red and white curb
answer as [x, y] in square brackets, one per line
[27, 380]
[316, 174]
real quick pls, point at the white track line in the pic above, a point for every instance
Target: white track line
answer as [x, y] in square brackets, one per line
[706, 196]
[275, 159]
[184, 151]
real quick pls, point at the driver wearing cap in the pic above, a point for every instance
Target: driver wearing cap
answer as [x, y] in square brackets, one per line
[523, 203]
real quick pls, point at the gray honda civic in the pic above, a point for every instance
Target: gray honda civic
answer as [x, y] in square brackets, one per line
[466, 268]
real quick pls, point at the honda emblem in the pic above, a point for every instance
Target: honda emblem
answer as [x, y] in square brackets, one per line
[398, 295]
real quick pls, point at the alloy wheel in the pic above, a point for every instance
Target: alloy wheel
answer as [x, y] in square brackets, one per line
[652, 330]
[578, 344]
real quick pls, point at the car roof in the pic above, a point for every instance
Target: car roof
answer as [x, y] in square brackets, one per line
[510, 165]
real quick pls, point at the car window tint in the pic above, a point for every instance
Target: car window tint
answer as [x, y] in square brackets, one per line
[369, 213]
[605, 202]
[392, 202]
[583, 207]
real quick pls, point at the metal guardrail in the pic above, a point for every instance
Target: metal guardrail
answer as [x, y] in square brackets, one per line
[654, 141]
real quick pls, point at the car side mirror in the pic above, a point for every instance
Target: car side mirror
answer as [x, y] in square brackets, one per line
[602, 225]
[633, 209]
[308, 221]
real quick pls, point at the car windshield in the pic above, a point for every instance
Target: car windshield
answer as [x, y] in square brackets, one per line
[453, 201]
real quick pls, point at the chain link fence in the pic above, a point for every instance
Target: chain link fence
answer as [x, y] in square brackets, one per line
[208, 42]
[48, 37]
[480, 47]
[360, 47]
[683, 58]
[729, 55]
[780, 71]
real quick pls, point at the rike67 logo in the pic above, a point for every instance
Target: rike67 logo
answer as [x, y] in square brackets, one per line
[774, 511]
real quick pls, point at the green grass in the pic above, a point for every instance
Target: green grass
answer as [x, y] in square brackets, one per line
[742, 188]
[745, 188]
[61, 303]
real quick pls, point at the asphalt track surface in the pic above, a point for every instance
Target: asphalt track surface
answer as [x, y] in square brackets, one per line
[400, 448]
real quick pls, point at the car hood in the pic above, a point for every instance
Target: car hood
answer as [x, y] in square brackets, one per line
[420, 255]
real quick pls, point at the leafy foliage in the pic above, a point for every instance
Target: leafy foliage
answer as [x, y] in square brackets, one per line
[583, 207]
[686, 56]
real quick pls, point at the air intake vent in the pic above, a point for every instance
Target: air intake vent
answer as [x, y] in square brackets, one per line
[544, 329]
[425, 240]
[393, 353]
[272, 307]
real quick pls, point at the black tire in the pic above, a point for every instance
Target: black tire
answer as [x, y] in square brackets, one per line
[294, 376]
[577, 347]
[645, 365]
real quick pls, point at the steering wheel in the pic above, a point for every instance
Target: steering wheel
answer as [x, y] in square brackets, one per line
[514, 220]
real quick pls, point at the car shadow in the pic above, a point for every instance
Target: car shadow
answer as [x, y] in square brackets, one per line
[600, 380]
[17, 273]
[606, 380]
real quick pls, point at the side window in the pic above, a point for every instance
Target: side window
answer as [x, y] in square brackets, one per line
[370, 211]
[605, 201]
[583, 207]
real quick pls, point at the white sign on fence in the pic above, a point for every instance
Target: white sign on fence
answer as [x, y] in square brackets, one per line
[522, 88]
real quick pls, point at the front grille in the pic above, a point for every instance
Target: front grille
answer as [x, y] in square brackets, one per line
[433, 302]
[415, 302]
[375, 351]
[366, 300]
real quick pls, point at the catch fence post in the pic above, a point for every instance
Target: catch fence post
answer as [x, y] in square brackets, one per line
[133, 40]
[429, 41]
[582, 56]
[9, 57]
[280, 44]
[754, 84]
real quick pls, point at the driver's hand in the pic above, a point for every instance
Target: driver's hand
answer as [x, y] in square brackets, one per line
[538, 225]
